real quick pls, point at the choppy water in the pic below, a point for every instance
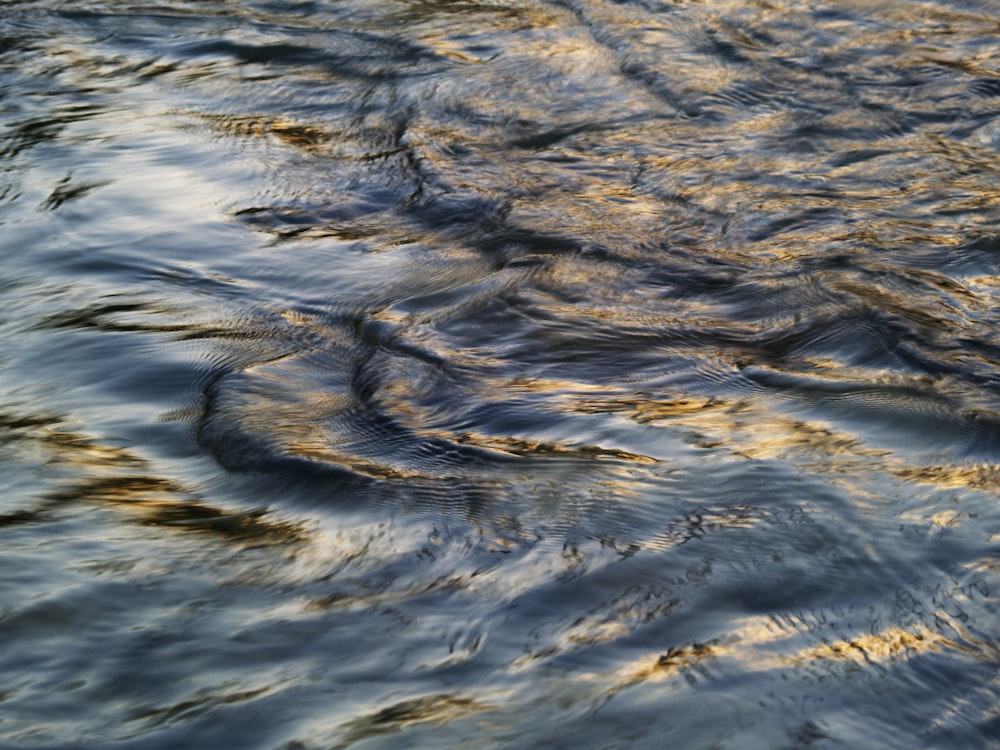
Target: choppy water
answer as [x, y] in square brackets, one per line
[500, 374]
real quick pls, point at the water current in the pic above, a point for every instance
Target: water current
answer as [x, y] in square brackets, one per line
[499, 374]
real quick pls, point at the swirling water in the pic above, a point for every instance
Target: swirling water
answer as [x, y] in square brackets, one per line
[508, 374]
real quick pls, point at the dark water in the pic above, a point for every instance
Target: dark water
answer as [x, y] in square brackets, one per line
[499, 374]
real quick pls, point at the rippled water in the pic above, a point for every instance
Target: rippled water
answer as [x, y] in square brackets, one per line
[502, 374]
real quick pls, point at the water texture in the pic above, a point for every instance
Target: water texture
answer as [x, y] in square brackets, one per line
[502, 374]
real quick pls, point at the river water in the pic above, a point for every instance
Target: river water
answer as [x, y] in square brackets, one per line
[500, 374]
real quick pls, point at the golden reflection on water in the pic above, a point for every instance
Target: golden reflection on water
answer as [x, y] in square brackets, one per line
[427, 710]
[771, 643]
[678, 661]
[758, 646]
[307, 423]
[199, 702]
[305, 137]
[88, 471]
[526, 448]
[159, 502]
[980, 476]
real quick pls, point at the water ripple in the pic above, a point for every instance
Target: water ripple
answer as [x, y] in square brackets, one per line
[570, 373]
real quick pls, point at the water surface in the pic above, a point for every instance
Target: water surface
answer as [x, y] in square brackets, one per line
[499, 374]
